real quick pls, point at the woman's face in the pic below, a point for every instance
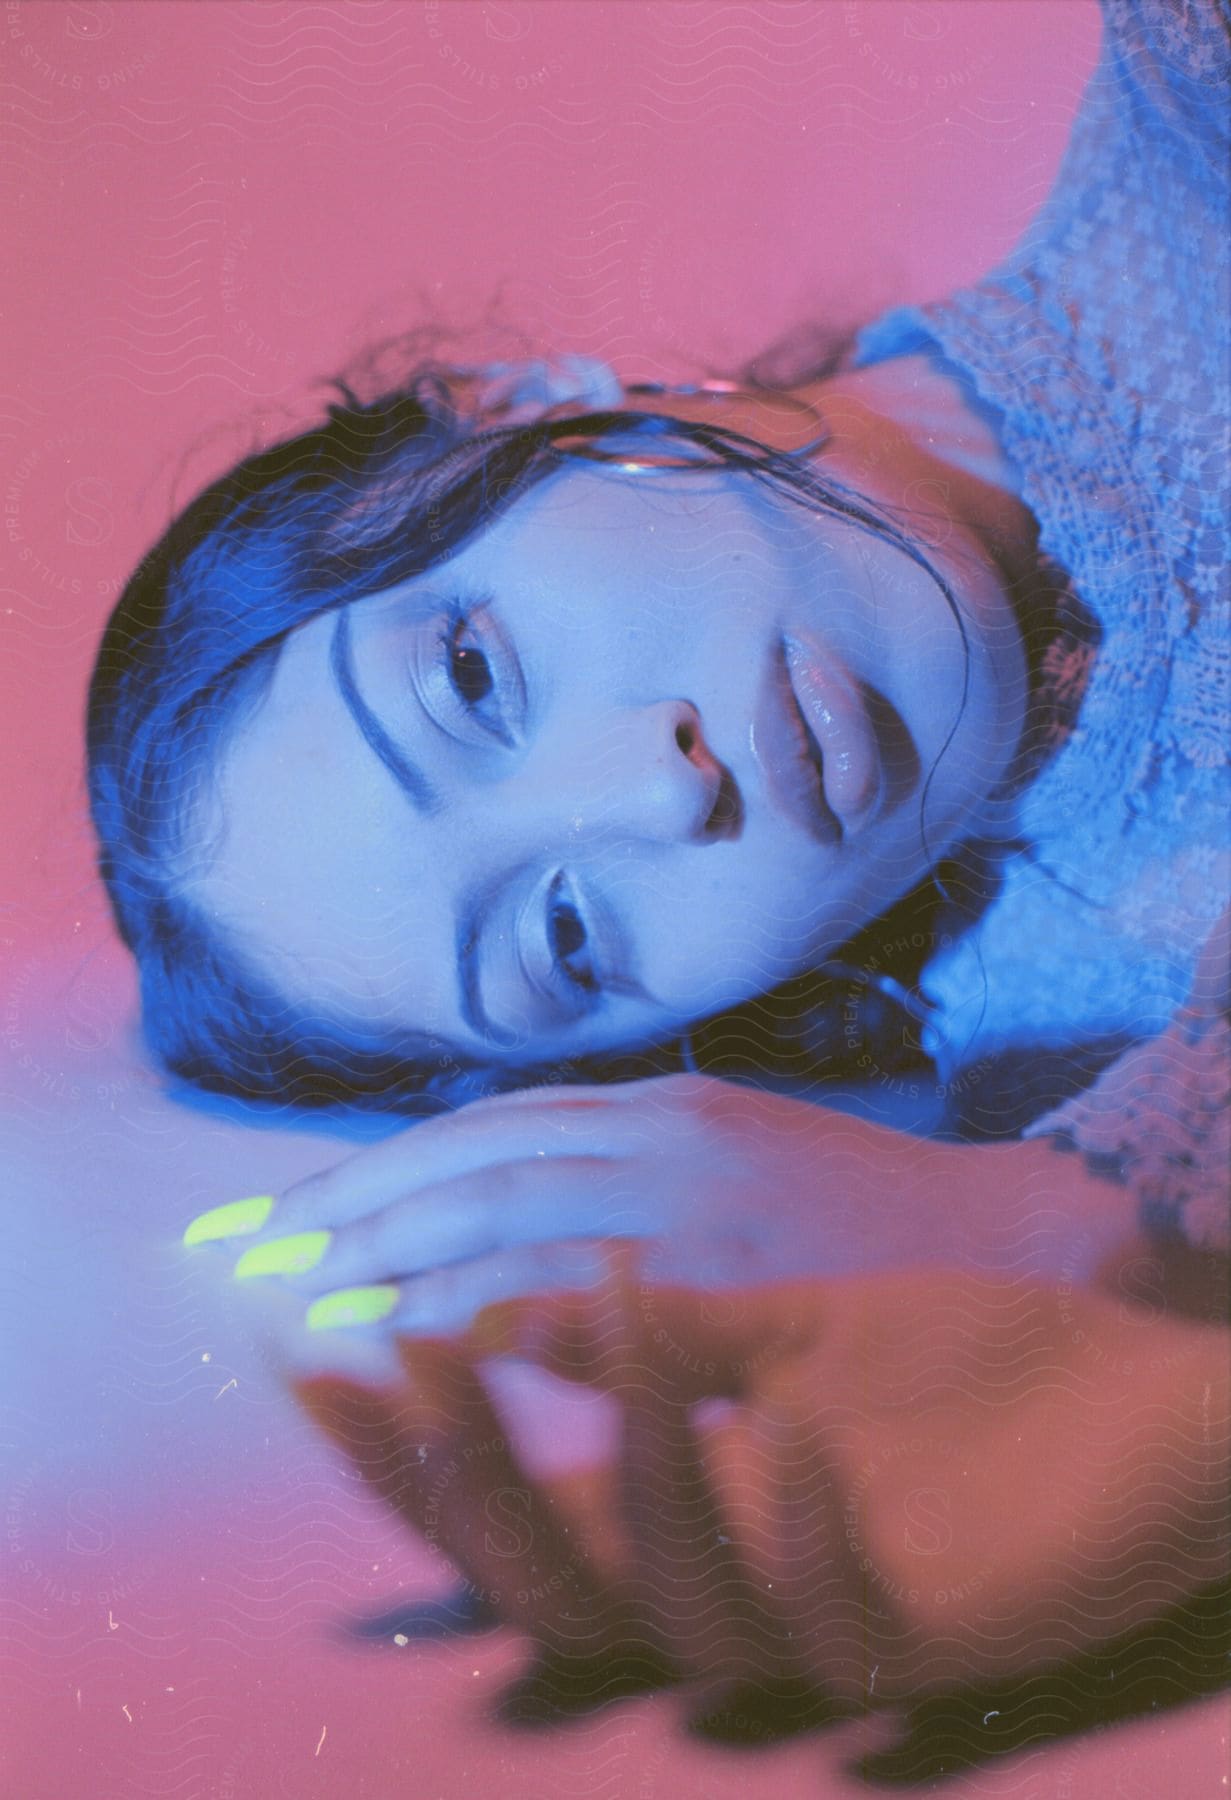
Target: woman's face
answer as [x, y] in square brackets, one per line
[555, 796]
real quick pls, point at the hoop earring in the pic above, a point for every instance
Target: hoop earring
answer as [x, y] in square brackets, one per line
[723, 389]
[635, 463]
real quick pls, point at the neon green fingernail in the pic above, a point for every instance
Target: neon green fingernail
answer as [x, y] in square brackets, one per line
[293, 1255]
[236, 1219]
[352, 1306]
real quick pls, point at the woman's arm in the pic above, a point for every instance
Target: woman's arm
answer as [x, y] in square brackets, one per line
[727, 1185]
[734, 1185]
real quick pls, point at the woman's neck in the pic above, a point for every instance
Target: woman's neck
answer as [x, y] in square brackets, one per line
[938, 406]
[920, 441]
[913, 434]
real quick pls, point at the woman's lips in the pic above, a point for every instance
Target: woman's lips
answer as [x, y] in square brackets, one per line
[779, 743]
[811, 713]
[839, 720]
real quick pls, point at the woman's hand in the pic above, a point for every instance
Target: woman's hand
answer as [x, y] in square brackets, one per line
[520, 1194]
[688, 1217]
[926, 1479]
[510, 1195]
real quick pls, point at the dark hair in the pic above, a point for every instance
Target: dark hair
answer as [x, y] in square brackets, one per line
[376, 494]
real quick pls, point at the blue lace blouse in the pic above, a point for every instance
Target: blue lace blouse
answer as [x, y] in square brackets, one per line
[1100, 349]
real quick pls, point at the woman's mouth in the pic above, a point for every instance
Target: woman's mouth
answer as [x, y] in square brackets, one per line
[841, 731]
[815, 742]
[788, 757]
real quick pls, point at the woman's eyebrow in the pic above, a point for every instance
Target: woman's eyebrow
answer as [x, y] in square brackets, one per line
[428, 802]
[412, 780]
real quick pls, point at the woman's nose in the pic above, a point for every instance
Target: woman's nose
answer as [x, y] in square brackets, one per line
[647, 772]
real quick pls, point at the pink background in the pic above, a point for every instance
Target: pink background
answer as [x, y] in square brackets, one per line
[209, 205]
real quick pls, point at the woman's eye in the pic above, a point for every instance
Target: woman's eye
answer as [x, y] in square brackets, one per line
[470, 673]
[566, 936]
[475, 678]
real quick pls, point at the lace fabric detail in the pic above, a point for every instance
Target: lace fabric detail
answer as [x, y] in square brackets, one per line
[1061, 641]
[1100, 344]
[1160, 1118]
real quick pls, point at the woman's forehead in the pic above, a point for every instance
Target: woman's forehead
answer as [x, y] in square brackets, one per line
[588, 519]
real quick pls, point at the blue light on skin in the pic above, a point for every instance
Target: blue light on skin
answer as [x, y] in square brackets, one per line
[627, 626]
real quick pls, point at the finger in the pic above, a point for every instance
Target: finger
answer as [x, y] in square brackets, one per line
[542, 1121]
[535, 1122]
[695, 1603]
[436, 1452]
[703, 1611]
[446, 1302]
[473, 1215]
[698, 1343]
